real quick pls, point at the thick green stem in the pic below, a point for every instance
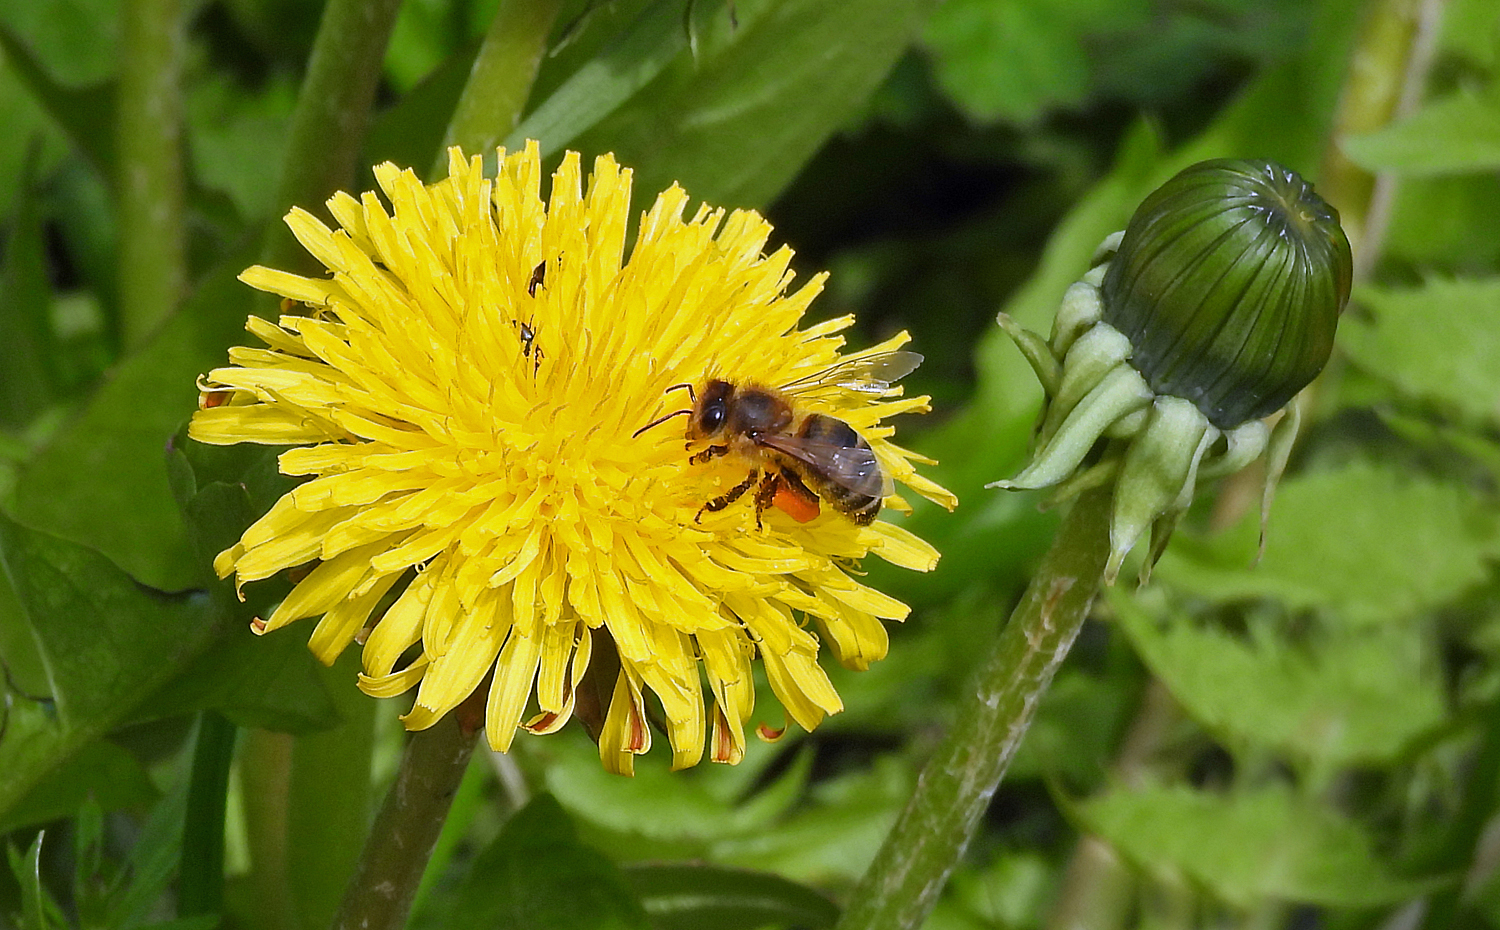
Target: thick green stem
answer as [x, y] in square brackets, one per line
[903, 883]
[501, 79]
[407, 827]
[148, 129]
[332, 114]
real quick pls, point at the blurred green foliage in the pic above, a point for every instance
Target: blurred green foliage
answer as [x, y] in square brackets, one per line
[1329, 754]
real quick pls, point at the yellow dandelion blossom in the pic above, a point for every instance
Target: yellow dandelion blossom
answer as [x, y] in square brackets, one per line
[466, 393]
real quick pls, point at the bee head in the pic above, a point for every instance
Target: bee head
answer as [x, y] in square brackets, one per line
[711, 411]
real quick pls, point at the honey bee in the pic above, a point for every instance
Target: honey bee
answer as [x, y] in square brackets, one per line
[796, 458]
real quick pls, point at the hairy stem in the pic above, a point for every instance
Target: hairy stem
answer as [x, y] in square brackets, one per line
[332, 114]
[500, 82]
[395, 856]
[148, 130]
[903, 883]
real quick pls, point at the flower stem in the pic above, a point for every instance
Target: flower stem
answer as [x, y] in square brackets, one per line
[332, 114]
[903, 883]
[395, 856]
[148, 131]
[500, 82]
[1387, 78]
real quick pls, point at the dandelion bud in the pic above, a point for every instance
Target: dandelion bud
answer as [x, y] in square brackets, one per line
[1229, 284]
[1214, 307]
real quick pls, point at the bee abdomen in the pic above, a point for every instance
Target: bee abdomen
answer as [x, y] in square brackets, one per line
[850, 479]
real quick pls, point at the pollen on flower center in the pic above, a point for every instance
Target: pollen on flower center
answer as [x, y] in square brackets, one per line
[464, 394]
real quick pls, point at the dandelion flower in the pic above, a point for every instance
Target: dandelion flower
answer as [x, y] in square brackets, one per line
[464, 394]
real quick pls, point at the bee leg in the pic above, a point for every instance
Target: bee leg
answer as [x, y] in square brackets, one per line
[712, 452]
[729, 496]
[764, 495]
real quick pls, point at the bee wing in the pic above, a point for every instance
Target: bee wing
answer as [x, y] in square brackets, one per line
[870, 374]
[853, 468]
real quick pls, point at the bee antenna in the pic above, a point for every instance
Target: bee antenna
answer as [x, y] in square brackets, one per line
[660, 420]
[677, 387]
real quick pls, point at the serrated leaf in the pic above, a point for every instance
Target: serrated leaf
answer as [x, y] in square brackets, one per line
[1370, 541]
[687, 896]
[1452, 134]
[1249, 847]
[536, 874]
[1436, 343]
[1344, 698]
[100, 771]
[735, 125]
[106, 641]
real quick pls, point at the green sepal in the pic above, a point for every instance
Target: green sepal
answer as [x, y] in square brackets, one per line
[1158, 475]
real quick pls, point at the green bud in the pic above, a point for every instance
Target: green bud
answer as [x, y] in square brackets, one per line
[1229, 283]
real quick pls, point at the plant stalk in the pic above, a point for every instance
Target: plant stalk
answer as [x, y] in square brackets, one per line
[148, 130]
[500, 82]
[902, 885]
[390, 869]
[332, 115]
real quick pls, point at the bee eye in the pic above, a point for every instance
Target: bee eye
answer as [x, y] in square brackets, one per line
[713, 417]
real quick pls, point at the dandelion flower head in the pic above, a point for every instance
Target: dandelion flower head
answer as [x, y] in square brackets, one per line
[463, 394]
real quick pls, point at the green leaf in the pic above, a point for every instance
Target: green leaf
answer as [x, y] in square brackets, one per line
[1343, 698]
[832, 836]
[536, 874]
[410, 131]
[1009, 61]
[100, 771]
[1436, 343]
[86, 114]
[107, 643]
[1446, 222]
[686, 810]
[690, 896]
[201, 922]
[1248, 847]
[270, 682]
[38, 909]
[1452, 134]
[103, 480]
[1077, 728]
[602, 83]
[237, 141]
[736, 124]
[1370, 541]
